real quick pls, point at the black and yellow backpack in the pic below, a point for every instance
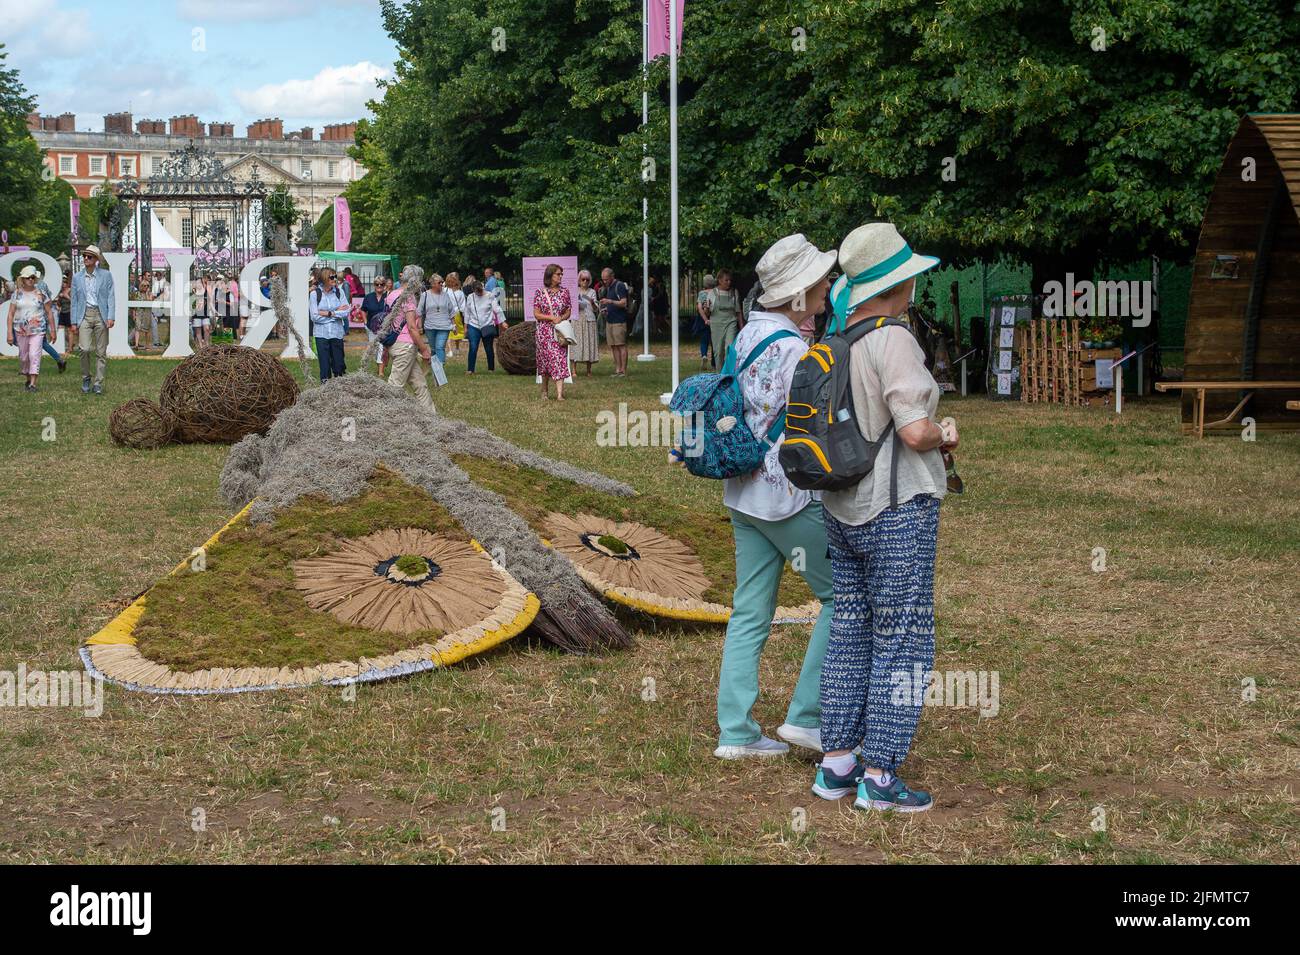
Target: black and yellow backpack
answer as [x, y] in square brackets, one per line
[824, 450]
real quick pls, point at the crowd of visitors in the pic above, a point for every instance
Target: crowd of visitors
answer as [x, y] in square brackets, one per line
[451, 312]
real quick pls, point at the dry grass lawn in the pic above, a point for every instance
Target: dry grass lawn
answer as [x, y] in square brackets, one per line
[1120, 689]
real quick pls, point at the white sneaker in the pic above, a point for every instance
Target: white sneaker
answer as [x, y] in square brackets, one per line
[801, 736]
[760, 747]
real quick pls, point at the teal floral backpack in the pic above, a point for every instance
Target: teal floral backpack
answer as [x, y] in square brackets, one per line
[716, 442]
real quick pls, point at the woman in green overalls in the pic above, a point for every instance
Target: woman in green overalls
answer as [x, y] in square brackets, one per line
[724, 314]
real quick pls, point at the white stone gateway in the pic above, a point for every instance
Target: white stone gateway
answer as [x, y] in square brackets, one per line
[261, 319]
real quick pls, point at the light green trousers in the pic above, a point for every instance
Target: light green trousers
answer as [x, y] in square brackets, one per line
[762, 549]
[724, 336]
[92, 342]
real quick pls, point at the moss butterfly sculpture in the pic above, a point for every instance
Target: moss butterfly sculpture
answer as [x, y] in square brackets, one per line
[377, 539]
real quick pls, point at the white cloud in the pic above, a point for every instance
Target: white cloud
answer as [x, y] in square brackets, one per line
[336, 92]
[147, 88]
[39, 30]
[145, 85]
[226, 10]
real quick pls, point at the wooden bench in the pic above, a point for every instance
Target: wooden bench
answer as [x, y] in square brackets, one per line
[1201, 387]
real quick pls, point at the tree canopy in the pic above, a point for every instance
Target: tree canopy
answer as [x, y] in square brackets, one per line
[1063, 129]
[21, 162]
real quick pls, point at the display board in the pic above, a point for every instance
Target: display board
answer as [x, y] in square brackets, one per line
[1009, 315]
[535, 269]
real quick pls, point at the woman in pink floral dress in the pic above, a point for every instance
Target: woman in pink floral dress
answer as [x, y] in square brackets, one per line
[551, 305]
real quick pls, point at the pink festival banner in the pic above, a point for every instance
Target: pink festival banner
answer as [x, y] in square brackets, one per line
[657, 15]
[342, 225]
[535, 269]
[74, 213]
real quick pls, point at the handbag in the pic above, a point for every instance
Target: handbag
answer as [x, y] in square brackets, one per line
[389, 339]
[564, 333]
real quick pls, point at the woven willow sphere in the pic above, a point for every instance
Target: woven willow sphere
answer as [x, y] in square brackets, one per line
[517, 349]
[226, 392]
[140, 423]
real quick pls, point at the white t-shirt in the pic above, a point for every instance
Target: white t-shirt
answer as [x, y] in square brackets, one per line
[92, 293]
[457, 300]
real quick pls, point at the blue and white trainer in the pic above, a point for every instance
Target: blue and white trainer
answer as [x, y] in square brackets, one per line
[761, 747]
[892, 796]
[831, 785]
[808, 738]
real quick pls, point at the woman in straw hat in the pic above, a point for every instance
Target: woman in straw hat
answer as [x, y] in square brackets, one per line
[882, 554]
[30, 321]
[773, 521]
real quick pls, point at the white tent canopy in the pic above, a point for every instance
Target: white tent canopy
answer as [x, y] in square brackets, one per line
[159, 236]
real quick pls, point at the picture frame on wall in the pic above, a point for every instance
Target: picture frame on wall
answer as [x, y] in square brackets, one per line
[1225, 267]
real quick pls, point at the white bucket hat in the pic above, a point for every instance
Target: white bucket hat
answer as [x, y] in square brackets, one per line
[792, 265]
[874, 258]
[29, 272]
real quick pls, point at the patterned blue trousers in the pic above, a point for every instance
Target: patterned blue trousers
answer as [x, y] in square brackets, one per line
[882, 628]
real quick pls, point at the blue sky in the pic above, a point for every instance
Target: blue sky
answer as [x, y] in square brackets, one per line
[309, 62]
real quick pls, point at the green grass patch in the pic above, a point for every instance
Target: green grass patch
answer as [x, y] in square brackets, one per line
[411, 565]
[612, 543]
[1120, 689]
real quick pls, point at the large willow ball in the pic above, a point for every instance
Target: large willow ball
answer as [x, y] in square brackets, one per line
[517, 349]
[223, 393]
[140, 423]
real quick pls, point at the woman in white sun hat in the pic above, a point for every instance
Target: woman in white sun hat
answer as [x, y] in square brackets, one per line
[30, 321]
[773, 521]
[882, 556]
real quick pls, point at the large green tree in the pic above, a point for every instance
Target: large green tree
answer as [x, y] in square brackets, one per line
[1060, 131]
[1078, 131]
[21, 162]
[49, 228]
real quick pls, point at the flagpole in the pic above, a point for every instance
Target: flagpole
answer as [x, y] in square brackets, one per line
[645, 202]
[672, 171]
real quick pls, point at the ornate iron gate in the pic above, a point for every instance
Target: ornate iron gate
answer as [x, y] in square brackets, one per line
[229, 224]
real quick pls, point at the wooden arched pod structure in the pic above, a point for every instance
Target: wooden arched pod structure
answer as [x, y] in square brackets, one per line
[1243, 321]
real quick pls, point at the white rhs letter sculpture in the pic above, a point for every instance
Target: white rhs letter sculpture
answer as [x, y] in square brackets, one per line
[119, 336]
[299, 273]
[178, 308]
[180, 305]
